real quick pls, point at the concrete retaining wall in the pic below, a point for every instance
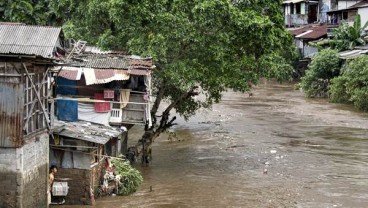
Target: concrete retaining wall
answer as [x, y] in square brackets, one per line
[24, 173]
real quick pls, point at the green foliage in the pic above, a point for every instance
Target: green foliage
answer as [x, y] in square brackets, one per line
[337, 90]
[323, 67]
[215, 44]
[352, 85]
[131, 177]
[26, 11]
[347, 37]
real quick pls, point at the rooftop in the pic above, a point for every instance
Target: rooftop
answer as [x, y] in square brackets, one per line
[311, 32]
[86, 131]
[23, 39]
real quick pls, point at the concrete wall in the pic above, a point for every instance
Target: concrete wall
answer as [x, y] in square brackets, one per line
[79, 185]
[81, 182]
[24, 173]
[363, 15]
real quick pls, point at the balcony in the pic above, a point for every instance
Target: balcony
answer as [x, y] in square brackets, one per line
[135, 112]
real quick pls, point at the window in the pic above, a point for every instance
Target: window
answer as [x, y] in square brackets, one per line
[298, 8]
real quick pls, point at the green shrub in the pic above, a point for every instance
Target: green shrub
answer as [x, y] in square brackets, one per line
[323, 67]
[360, 98]
[337, 90]
[352, 85]
[131, 177]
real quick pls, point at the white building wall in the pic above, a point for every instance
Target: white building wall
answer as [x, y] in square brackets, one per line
[345, 4]
[363, 12]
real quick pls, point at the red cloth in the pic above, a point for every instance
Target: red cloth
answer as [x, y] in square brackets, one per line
[102, 107]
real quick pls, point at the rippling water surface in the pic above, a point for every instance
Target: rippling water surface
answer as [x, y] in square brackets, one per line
[275, 149]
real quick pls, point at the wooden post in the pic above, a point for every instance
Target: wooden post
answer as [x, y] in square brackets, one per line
[38, 98]
[52, 112]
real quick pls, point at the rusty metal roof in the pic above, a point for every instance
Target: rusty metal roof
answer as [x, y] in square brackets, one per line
[311, 32]
[86, 131]
[71, 73]
[28, 40]
[138, 72]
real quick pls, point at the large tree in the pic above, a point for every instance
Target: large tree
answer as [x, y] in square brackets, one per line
[199, 46]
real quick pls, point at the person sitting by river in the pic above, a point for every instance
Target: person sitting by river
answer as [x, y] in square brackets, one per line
[52, 172]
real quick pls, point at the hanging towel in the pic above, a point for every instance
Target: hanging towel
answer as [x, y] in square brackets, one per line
[124, 97]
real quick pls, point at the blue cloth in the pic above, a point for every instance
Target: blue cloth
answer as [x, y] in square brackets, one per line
[62, 86]
[67, 110]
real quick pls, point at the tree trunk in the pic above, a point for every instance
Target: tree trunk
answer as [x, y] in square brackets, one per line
[145, 143]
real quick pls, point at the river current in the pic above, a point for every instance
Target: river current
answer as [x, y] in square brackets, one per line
[273, 149]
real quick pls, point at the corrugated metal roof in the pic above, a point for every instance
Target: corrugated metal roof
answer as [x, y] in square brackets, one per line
[310, 32]
[108, 63]
[97, 50]
[104, 73]
[138, 72]
[71, 73]
[352, 54]
[28, 40]
[11, 114]
[86, 131]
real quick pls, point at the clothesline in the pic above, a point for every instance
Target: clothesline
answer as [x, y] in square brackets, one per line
[92, 87]
[88, 100]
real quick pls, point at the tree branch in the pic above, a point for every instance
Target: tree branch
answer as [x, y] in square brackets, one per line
[156, 105]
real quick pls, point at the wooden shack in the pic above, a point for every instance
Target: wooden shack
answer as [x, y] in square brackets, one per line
[107, 89]
[80, 150]
[26, 55]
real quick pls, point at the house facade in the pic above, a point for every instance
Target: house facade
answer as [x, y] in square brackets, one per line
[304, 35]
[106, 89]
[300, 12]
[346, 11]
[99, 95]
[26, 55]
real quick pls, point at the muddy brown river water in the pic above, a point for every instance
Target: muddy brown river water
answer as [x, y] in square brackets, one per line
[275, 149]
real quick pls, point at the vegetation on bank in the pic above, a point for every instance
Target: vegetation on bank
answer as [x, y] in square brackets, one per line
[324, 67]
[340, 81]
[130, 179]
[352, 85]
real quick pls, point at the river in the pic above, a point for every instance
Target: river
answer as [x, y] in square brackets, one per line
[274, 149]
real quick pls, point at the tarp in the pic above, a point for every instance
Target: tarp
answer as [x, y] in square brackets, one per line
[102, 76]
[63, 86]
[86, 112]
[67, 110]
